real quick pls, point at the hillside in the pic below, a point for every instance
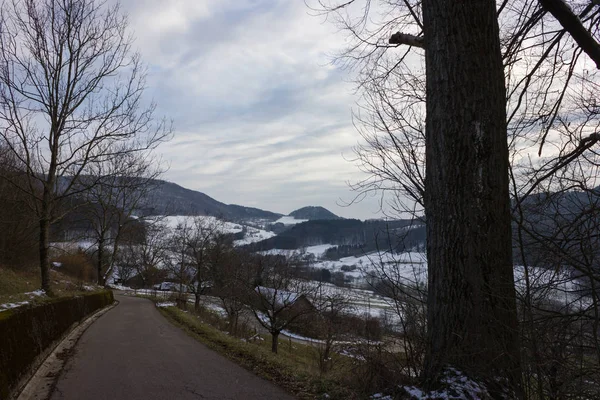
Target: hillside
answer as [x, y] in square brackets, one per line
[312, 213]
[171, 199]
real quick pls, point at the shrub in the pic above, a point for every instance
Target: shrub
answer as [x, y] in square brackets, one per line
[78, 265]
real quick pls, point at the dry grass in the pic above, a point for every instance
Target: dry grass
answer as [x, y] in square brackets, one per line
[14, 284]
[294, 368]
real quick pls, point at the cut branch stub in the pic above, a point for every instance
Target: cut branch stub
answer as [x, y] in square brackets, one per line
[399, 38]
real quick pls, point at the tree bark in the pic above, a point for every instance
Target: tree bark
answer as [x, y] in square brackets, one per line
[275, 341]
[196, 301]
[472, 320]
[100, 259]
[44, 245]
[44, 255]
[114, 255]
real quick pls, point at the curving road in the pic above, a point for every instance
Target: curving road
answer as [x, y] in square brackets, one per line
[132, 352]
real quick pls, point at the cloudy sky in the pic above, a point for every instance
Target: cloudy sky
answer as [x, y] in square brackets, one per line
[261, 116]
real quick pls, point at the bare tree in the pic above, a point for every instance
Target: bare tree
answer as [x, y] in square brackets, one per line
[126, 264]
[70, 96]
[331, 324]
[279, 298]
[232, 273]
[203, 234]
[151, 253]
[177, 260]
[114, 201]
[402, 279]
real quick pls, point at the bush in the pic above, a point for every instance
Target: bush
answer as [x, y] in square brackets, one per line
[28, 332]
[77, 265]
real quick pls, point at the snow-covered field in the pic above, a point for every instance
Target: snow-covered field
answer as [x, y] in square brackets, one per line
[173, 221]
[252, 234]
[410, 266]
[289, 220]
[317, 251]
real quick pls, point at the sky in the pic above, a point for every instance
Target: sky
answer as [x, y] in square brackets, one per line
[262, 118]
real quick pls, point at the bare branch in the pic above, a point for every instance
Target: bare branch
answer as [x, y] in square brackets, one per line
[563, 13]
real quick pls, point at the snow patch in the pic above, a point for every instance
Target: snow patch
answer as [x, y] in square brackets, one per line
[380, 396]
[120, 287]
[456, 387]
[165, 304]
[8, 306]
[35, 293]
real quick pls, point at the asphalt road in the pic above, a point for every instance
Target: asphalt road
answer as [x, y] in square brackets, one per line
[132, 352]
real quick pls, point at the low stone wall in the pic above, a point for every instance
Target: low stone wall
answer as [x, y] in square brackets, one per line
[27, 333]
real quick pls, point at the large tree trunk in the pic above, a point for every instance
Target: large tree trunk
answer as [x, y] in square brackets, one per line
[100, 264]
[113, 257]
[44, 255]
[472, 320]
[274, 341]
[196, 301]
[44, 245]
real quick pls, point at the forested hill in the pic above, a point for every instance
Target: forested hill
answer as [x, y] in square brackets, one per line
[171, 199]
[400, 234]
[312, 212]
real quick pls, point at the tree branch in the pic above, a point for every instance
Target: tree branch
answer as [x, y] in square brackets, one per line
[572, 24]
[399, 38]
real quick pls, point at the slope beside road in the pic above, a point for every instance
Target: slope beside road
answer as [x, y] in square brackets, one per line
[132, 352]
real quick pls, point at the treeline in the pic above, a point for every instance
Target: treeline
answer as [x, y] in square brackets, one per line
[352, 236]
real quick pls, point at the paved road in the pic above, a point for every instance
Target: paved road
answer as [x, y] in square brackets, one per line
[132, 352]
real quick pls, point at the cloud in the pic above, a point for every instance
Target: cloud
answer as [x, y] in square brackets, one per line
[262, 118]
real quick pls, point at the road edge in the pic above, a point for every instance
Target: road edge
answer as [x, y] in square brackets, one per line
[42, 382]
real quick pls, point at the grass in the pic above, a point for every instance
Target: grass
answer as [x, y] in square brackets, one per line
[294, 368]
[15, 283]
